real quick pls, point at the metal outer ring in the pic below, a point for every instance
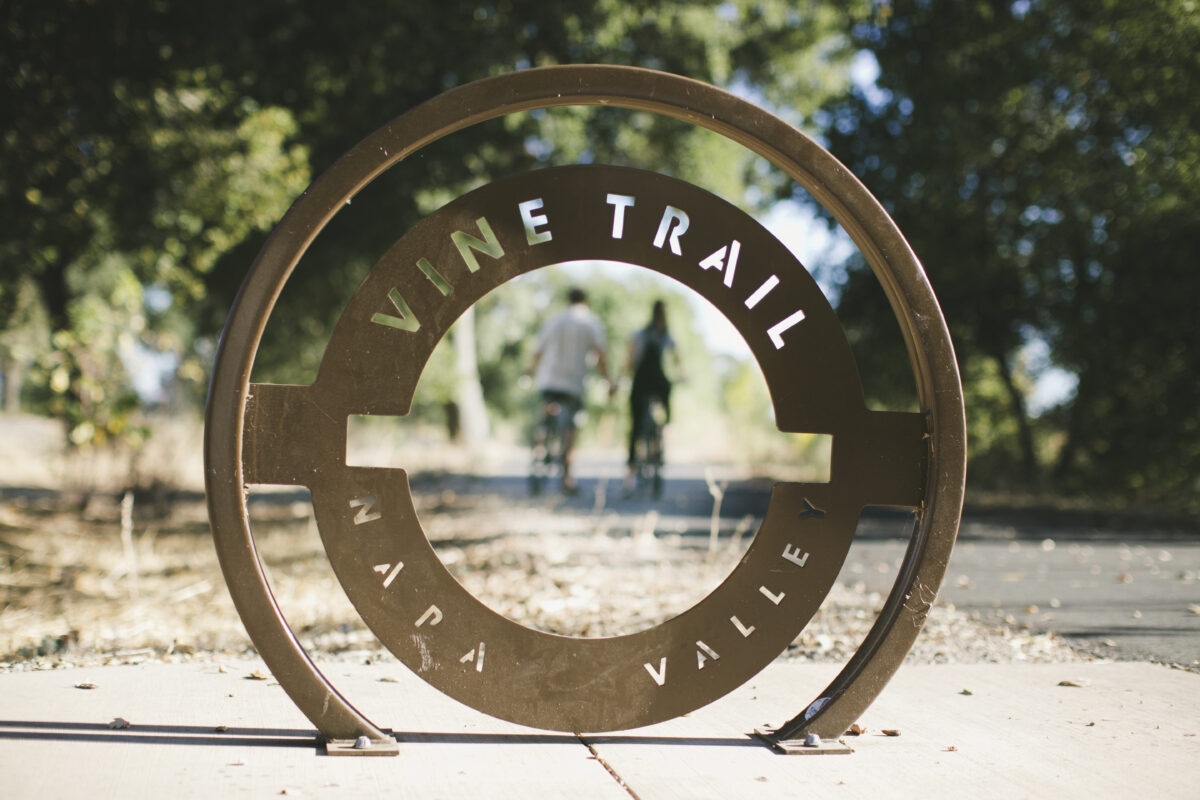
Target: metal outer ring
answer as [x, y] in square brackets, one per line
[831, 184]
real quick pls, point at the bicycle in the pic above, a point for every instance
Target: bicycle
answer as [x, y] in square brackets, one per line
[548, 447]
[648, 448]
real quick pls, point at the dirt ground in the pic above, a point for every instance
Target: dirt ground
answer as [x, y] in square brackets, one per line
[84, 588]
[135, 577]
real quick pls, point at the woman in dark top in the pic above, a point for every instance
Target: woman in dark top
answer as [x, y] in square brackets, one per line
[647, 349]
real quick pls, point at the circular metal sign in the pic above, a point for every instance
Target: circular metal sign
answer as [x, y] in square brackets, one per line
[261, 433]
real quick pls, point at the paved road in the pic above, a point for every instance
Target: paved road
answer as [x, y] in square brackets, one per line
[1131, 594]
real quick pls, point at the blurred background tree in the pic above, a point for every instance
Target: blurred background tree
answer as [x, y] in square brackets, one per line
[151, 146]
[1041, 155]
[1043, 158]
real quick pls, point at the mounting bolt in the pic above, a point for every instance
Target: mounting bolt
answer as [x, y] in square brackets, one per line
[812, 740]
[362, 743]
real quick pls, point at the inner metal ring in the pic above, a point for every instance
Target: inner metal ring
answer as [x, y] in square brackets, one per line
[386, 335]
[940, 486]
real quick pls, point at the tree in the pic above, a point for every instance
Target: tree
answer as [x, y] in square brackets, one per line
[1041, 156]
[138, 173]
[155, 144]
[21, 340]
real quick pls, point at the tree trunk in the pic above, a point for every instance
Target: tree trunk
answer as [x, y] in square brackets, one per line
[14, 376]
[1075, 416]
[1021, 414]
[468, 392]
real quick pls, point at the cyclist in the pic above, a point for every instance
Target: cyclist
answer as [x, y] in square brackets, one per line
[564, 347]
[647, 348]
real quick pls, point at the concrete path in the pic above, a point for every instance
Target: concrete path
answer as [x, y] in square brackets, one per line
[1076, 730]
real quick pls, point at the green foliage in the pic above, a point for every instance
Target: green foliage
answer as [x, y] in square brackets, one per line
[155, 144]
[1042, 157]
[125, 167]
[83, 369]
[508, 319]
[24, 338]
[757, 444]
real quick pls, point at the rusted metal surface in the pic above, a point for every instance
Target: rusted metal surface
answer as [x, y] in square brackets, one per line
[258, 433]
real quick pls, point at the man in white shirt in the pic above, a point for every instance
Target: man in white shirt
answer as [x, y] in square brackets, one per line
[561, 357]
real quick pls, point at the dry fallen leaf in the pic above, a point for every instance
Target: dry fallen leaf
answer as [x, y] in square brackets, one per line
[85, 686]
[967, 692]
[119, 723]
[856, 730]
[221, 728]
[389, 679]
[257, 675]
[890, 732]
[1076, 684]
[951, 749]
[1195, 609]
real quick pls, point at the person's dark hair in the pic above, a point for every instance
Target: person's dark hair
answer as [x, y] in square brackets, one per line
[658, 316]
[576, 295]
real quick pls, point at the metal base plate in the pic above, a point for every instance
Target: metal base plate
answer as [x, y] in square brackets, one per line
[798, 747]
[354, 747]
